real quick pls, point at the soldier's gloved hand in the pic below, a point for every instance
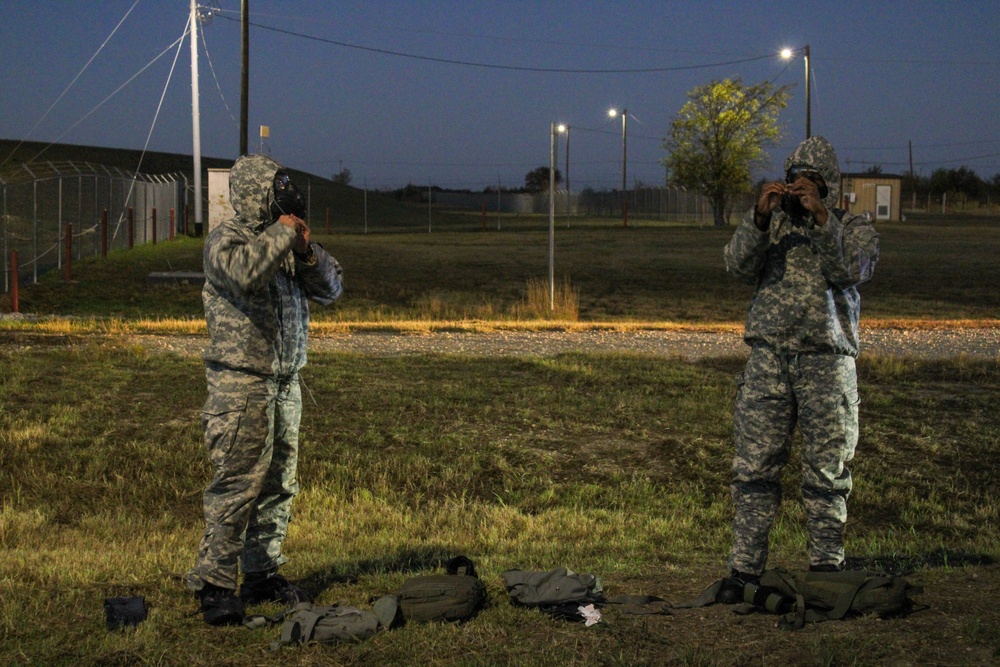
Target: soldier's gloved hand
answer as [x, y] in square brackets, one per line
[769, 201]
[808, 193]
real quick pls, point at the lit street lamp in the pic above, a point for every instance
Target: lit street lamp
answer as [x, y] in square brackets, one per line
[788, 53]
[613, 113]
[552, 211]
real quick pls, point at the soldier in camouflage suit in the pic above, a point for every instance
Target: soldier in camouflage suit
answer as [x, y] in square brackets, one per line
[806, 259]
[260, 267]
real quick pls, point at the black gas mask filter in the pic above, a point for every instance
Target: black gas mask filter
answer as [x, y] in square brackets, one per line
[288, 200]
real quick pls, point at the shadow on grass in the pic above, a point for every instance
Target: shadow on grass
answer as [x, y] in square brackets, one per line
[909, 563]
[404, 560]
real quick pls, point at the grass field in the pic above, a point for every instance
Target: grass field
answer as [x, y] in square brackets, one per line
[931, 269]
[611, 464]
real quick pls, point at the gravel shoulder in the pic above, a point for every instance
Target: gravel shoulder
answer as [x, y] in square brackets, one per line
[977, 343]
[973, 343]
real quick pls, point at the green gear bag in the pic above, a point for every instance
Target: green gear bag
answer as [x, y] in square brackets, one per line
[456, 595]
[826, 596]
[559, 593]
[306, 624]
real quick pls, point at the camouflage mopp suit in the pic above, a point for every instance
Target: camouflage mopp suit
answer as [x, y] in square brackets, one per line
[255, 298]
[802, 327]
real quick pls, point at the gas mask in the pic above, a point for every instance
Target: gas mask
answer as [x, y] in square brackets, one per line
[791, 204]
[287, 199]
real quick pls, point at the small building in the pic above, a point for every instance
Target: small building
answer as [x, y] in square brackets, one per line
[878, 194]
[219, 208]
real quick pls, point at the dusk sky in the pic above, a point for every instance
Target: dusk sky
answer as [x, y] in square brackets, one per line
[461, 94]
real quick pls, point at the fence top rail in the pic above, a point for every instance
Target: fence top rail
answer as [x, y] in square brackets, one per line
[39, 171]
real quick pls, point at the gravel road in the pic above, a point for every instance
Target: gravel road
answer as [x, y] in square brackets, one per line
[976, 343]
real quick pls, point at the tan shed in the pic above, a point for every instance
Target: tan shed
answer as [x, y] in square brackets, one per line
[878, 194]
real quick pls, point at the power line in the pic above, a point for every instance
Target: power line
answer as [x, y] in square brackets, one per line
[66, 90]
[105, 100]
[208, 56]
[924, 163]
[913, 61]
[916, 145]
[516, 68]
[180, 43]
[498, 38]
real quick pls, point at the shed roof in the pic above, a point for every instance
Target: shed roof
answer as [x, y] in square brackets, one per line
[867, 175]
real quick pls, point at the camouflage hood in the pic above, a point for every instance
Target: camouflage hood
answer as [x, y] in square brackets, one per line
[251, 189]
[818, 153]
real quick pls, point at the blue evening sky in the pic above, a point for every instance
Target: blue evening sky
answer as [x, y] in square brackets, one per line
[462, 93]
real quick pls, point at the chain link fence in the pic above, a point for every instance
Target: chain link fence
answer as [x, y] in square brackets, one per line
[949, 202]
[648, 203]
[101, 208]
[672, 203]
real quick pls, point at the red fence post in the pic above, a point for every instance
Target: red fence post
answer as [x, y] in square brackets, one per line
[104, 233]
[131, 228]
[13, 282]
[171, 224]
[68, 245]
[154, 225]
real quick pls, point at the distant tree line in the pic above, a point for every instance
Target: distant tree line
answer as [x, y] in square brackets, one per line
[961, 181]
[535, 181]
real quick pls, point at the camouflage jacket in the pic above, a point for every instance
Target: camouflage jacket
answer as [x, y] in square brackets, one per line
[806, 275]
[256, 291]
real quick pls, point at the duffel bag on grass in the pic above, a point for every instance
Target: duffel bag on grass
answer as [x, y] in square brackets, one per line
[457, 595]
[802, 597]
[559, 593]
[827, 596]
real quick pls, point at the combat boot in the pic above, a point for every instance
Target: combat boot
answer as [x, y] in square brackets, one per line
[269, 586]
[220, 606]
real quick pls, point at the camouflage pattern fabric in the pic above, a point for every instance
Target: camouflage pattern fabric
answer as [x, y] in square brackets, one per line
[817, 392]
[803, 327]
[806, 275]
[818, 153]
[255, 291]
[251, 434]
[256, 308]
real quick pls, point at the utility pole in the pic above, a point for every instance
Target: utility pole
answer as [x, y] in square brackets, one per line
[808, 97]
[195, 119]
[624, 112]
[552, 216]
[568, 191]
[245, 76]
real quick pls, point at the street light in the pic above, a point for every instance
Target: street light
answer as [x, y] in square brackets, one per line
[556, 129]
[624, 113]
[788, 53]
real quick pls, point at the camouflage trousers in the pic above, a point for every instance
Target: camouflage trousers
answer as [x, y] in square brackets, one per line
[777, 392]
[252, 435]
